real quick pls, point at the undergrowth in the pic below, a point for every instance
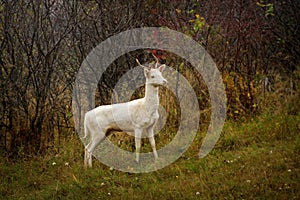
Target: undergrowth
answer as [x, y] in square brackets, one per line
[253, 159]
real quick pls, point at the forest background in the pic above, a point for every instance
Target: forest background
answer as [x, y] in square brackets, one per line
[256, 46]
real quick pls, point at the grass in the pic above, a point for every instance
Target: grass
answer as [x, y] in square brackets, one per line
[254, 159]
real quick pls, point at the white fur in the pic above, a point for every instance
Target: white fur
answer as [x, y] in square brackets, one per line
[136, 116]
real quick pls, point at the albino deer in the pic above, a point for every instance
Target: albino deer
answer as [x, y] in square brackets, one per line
[134, 116]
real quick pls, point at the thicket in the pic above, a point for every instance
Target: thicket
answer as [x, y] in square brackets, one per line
[43, 43]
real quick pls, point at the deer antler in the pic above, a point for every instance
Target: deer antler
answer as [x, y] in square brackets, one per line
[138, 62]
[157, 60]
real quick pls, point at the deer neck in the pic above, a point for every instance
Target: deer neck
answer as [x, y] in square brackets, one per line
[151, 96]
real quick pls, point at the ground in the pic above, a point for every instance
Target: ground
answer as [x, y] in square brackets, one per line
[257, 158]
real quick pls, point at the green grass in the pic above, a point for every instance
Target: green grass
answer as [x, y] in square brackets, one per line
[254, 159]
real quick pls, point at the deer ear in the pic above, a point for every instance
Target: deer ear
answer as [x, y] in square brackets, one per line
[162, 68]
[146, 72]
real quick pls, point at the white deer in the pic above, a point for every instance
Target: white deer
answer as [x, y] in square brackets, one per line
[136, 116]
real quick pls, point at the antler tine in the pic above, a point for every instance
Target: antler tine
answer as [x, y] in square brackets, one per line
[138, 62]
[157, 60]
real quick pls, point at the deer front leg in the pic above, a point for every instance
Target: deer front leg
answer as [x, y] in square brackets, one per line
[138, 136]
[152, 141]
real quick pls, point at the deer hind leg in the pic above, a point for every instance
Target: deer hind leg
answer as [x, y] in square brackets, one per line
[86, 153]
[85, 157]
[138, 136]
[91, 147]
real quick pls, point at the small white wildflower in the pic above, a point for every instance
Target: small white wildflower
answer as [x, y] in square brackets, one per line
[111, 168]
[54, 163]
[102, 184]
[289, 170]
[109, 193]
[248, 181]
[67, 164]
[197, 193]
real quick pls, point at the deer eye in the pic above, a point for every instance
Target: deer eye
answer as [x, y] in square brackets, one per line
[152, 76]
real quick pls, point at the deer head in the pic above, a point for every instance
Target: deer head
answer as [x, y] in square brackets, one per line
[153, 73]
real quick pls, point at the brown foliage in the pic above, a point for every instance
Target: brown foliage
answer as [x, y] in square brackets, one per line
[44, 42]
